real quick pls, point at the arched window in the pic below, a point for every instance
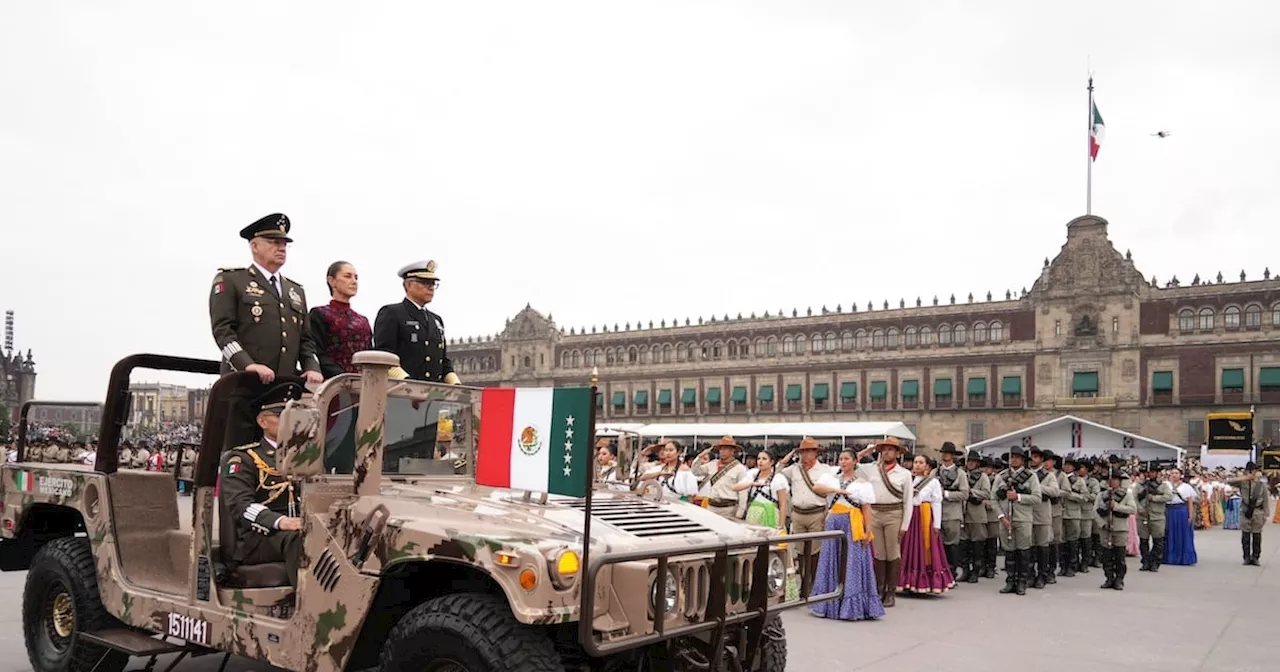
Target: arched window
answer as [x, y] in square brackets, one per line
[611, 357]
[926, 336]
[788, 345]
[846, 341]
[980, 332]
[959, 335]
[801, 342]
[862, 340]
[633, 355]
[666, 353]
[1275, 315]
[877, 339]
[733, 349]
[744, 347]
[944, 335]
[1186, 320]
[1206, 319]
[760, 349]
[576, 359]
[648, 354]
[704, 350]
[1253, 316]
[995, 333]
[911, 337]
[771, 347]
[717, 350]
[682, 352]
[830, 341]
[818, 343]
[1231, 317]
[892, 339]
[565, 358]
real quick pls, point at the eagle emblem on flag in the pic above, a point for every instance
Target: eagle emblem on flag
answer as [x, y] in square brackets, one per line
[1128, 442]
[1026, 441]
[529, 441]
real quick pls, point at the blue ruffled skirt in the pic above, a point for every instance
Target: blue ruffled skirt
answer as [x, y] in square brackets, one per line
[1180, 538]
[861, 599]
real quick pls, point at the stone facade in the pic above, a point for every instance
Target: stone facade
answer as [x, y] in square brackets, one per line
[17, 382]
[1091, 338]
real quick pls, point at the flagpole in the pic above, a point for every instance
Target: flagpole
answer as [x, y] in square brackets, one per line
[1088, 155]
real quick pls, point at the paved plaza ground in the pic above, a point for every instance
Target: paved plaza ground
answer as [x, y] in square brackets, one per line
[1217, 617]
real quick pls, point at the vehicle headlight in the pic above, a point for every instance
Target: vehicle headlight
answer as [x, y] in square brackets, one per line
[777, 576]
[565, 567]
[670, 592]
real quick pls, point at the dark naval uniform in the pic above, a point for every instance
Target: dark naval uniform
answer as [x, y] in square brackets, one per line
[258, 497]
[415, 334]
[256, 321]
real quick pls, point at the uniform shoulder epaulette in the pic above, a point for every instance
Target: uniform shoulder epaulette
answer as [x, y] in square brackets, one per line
[230, 269]
[291, 280]
[246, 446]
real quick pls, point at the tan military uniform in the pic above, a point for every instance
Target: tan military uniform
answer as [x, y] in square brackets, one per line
[1115, 507]
[808, 508]
[955, 493]
[891, 514]
[720, 479]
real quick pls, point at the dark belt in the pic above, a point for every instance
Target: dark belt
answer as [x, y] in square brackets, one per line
[722, 503]
[887, 507]
[809, 509]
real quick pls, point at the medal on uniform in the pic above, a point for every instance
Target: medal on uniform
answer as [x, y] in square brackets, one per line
[413, 338]
[256, 310]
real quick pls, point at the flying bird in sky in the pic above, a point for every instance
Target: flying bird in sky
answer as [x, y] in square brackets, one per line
[1162, 134]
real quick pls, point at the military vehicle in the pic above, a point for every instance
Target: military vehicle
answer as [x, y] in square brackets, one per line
[407, 563]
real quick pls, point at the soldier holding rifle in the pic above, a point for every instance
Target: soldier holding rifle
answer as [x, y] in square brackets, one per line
[1153, 498]
[1114, 506]
[1016, 493]
[973, 537]
[1253, 512]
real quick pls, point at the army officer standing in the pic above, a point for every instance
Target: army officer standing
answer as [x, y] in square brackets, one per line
[414, 333]
[259, 317]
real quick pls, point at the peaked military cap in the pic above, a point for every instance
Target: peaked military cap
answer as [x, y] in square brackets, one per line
[275, 226]
[948, 447]
[274, 399]
[419, 270]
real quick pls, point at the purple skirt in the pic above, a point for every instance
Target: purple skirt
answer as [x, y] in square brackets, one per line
[861, 599]
[923, 573]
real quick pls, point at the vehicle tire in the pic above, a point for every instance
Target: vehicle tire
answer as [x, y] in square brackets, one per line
[60, 601]
[773, 647]
[467, 632]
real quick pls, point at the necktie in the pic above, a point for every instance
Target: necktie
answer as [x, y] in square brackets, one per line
[275, 286]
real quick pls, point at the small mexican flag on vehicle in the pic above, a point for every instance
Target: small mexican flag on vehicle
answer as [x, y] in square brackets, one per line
[24, 480]
[536, 439]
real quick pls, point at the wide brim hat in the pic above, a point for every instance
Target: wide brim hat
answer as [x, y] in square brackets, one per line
[973, 456]
[890, 442]
[727, 442]
[1035, 450]
[808, 443]
[275, 226]
[1019, 451]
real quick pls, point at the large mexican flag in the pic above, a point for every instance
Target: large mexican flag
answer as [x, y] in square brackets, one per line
[536, 439]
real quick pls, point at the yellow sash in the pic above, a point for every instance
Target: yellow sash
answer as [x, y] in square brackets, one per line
[926, 524]
[856, 532]
[265, 470]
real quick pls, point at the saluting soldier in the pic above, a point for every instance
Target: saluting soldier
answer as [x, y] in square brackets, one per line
[1153, 498]
[1017, 493]
[890, 515]
[262, 502]
[721, 476]
[414, 333]
[258, 316]
[808, 507]
[1076, 501]
[955, 492]
[1253, 512]
[973, 537]
[1114, 506]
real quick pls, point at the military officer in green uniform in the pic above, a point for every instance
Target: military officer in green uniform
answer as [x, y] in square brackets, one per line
[263, 503]
[1153, 498]
[414, 333]
[1114, 506]
[1253, 512]
[1016, 493]
[258, 316]
[973, 537]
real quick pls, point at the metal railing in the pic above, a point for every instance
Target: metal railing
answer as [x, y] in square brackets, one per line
[717, 618]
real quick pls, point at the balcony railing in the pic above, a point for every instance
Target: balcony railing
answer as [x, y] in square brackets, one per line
[1084, 402]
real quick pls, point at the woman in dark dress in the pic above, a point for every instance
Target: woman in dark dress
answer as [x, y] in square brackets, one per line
[340, 332]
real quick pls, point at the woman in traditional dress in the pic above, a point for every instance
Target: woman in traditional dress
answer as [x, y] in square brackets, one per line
[1231, 513]
[924, 560]
[849, 510]
[609, 472]
[767, 493]
[1219, 499]
[339, 331]
[1180, 547]
[668, 478]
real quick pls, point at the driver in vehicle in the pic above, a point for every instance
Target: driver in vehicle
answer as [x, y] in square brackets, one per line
[262, 502]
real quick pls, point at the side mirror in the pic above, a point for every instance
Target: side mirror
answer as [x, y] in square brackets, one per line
[300, 453]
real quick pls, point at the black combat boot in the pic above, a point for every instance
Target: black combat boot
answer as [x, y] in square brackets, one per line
[989, 568]
[1257, 547]
[1050, 564]
[1122, 568]
[960, 568]
[971, 556]
[1246, 543]
[1069, 559]
[1144, 551]
[1108, 564]
[1095, 558]
[1037, 563]
[1082, 561]
[1157, 553]
[1011, 573]
[1023, 569]
[953, 556]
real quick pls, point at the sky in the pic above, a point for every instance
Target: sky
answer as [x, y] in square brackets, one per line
[610, 161]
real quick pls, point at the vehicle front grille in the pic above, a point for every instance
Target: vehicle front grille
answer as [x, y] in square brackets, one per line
[641, 518]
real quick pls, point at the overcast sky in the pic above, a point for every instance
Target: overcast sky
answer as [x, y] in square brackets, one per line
[609, 161]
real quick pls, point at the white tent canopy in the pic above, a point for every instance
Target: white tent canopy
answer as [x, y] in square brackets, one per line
[765, 430]
[1069, 435]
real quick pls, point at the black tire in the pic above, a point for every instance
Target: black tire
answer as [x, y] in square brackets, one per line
[467, 631]
[62, 575]
[773, 647]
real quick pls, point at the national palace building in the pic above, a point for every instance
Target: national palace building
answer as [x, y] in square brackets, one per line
[1092, 338]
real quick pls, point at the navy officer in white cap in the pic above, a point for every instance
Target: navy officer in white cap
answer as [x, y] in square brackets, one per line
[414, 333]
